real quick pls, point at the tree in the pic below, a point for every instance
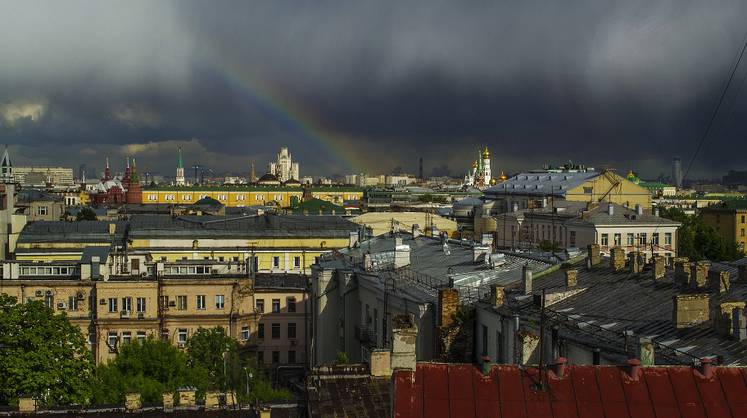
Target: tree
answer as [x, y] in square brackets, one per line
[213, 350]
[150, 368]
[42, 354]
[698, 241]
[86, 214]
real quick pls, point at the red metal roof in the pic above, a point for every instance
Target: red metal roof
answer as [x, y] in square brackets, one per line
[437, 390]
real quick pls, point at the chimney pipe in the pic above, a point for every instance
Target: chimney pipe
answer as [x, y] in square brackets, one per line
[738, 329]
[559, 367]
[526, 276]
[706, 368]
[634, 368]
[611, 209]
[486, 365]
[638, 209]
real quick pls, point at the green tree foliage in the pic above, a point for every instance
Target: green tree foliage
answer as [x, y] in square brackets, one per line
[429, 198]
[698, 241]
[150, 368]
[86, 214]
[547, 245]
[214, 351]
[42, 354]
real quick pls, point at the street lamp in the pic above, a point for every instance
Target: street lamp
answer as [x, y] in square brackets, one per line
[248, 376]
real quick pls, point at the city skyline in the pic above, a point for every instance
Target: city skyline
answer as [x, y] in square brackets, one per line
[624, 85]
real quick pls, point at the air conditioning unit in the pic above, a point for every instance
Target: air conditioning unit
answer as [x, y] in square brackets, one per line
[141, 315]
[102, 301]
[172, 303]
[49, 293]
[80, 295]
[39, 293]
[61, 305]
[124, 314]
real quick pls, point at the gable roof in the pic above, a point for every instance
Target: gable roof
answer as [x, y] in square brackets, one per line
[542, 183]
[462, 390]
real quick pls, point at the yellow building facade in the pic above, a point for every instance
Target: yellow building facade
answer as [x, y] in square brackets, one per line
[729, 220]
[239, 196]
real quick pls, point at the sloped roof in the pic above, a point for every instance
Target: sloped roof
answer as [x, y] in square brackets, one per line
[315, 206]
[461, 390]
[542, 183]
[347, 391]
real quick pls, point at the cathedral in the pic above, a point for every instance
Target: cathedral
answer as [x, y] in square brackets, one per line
[480, 175]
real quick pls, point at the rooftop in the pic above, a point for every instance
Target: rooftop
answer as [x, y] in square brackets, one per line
[347, 391]
[542, 183]
[251, 188]
[280, 281]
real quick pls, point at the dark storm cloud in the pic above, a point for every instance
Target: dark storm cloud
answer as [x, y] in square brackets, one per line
[623, 84]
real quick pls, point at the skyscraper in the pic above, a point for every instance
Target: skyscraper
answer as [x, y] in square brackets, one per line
[677, 172]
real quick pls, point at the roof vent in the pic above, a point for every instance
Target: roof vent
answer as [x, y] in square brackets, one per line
[559, 367]
[706, 368]
[634, 368]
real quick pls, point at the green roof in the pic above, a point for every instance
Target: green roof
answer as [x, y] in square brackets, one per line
[653, 184]
[315, 206]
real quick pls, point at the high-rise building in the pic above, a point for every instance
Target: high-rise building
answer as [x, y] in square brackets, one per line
[677, 172]
[179, 181]
[284, 168]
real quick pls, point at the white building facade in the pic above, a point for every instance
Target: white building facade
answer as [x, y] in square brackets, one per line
[284, 168]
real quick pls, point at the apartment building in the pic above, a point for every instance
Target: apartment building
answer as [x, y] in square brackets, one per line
[729, 220]
[281, 306]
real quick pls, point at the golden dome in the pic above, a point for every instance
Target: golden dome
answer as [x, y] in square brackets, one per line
[503, 176]
[486, 153]
[474, 164]
[493, 182]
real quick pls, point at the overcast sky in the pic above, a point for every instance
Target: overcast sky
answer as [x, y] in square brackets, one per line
[371, 86]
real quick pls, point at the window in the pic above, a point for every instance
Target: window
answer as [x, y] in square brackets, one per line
[72, 303]
[630, 239]
[261, 305]
[741, 232]
[127, 304]
[244, 333]
[275, 331]
[588, 190]
[112, 304]
[276, 262]
[141, 336]
[181, 302]
[112, 341]
[291, 304]
[297, 262]
[42, 210]
[667, 238]
[200, 302]
[618, 240]
[261, 331]
[643, 238]
[275, 357]
[219, 301]
[181, 336]
[260, 357]
[292, 356]
[573, 238]
[292, 330]
[126, 337]
[484, 340]
[141, 304]
[276, 305]
[605, 240]
[655, 238]
[742, 218]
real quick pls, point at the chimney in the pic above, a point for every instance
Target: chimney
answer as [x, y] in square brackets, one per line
[571, 277]
[480, 253]
[186, 395]
[559, 367]
[656, 212]
[635, 261]
[724, 321]
[416, 231]
[380, 363]
[706, 368]
[353, 239]
[515, 207]
[718, 281]
[681, 271]
[594, 255]
[646, 351]
[397, 241]
[699, 274]
[168, 401]
[738, 326]
[610, 209]
[634, 368]
[401, 254]
[659, 267]
[526, 279]
[487, 239]
[367, 262]
[112, 228]
[638, 209]
[690, 309]
[544, 202]
[617, 259]
[742, 275]
[132, 401]
[448, 302]
[497, 295]
[404, 337]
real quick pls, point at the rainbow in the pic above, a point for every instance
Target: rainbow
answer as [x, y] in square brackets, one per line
[279, 107]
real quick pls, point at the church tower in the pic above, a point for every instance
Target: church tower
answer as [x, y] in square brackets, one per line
[180, 170]
[107, 172]
[487, 174]
[134, 194]
[6, 168]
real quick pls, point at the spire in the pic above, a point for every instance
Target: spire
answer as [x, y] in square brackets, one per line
[107, 171]
[6, 167]
[133, 174]
[180, 162]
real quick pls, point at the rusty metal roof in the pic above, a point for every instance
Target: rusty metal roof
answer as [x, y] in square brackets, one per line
[508, 391]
